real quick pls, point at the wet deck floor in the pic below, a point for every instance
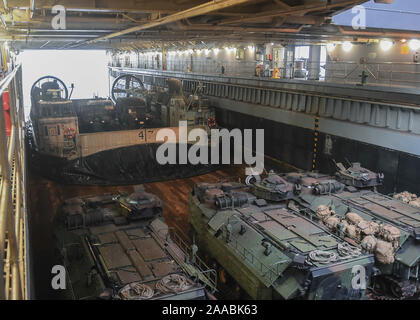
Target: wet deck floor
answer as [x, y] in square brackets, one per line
[45, 198]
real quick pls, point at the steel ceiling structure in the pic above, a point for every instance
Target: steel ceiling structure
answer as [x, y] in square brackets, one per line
[110, 24]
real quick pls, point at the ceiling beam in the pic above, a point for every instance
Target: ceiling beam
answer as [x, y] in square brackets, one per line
[107, 5]
[277, 21]
[244, 29]
[378, 33]
[282, 4]
[300, 9]
[185, 14]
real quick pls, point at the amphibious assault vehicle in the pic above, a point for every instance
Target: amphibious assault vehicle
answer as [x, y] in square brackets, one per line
[111, 141]
[357, 176]
[385, 228]
[116, 246]
[271, 250]
[376, 223]
[275, 188]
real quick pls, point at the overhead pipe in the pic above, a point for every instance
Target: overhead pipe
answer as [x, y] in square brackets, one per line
[187, 25]
[390, 34]
[188, 13]
[302, 9]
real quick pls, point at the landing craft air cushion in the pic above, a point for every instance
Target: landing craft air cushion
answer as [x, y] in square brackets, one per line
[111, 141]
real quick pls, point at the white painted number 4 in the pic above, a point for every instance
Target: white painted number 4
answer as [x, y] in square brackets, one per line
[58, 282]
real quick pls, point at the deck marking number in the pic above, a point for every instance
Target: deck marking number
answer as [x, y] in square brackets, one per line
[142, 135]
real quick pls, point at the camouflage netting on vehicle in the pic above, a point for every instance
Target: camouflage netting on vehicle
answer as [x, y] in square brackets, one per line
[381, 239]
[407, 197]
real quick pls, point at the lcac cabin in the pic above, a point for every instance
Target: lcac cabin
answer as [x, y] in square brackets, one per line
[110, 141]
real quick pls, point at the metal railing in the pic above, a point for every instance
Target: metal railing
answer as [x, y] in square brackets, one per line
[208, 273]
[14, 257]
[269, 273]
[405, 74]
[389, 73]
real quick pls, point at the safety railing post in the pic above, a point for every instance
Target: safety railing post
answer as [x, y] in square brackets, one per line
[11, 232]
[4, 203]
[12, 212]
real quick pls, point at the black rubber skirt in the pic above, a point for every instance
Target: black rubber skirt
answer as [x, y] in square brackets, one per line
[122, 166]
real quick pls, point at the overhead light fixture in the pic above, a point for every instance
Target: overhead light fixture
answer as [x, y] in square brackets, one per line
[216, 50]
[330, 47]
[414, 44]
[347, 45]
[385, 45]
